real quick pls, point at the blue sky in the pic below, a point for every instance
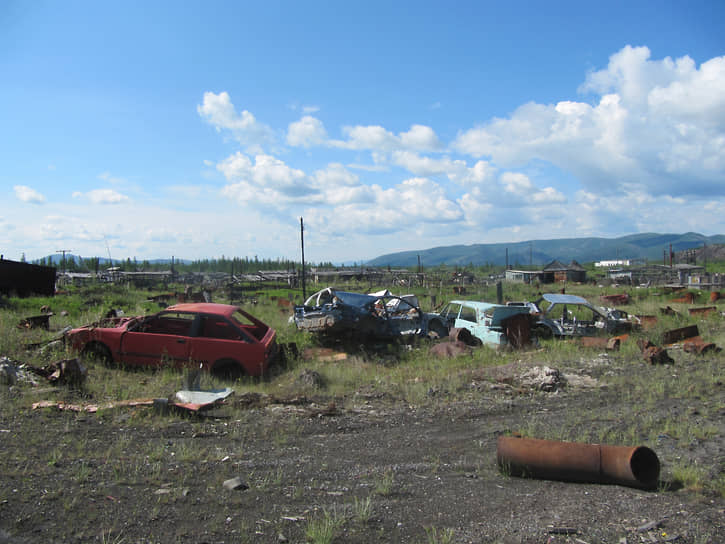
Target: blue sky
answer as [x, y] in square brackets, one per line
[201, 129]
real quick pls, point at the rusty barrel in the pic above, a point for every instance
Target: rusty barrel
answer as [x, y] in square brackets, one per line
[575, 462]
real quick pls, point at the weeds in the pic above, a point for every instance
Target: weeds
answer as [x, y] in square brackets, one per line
[689, 475]
[439, 536]
[362, 509]
[322, 530]
[384, 486]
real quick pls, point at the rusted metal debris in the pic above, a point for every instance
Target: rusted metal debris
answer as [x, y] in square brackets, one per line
[715, 296]
[36, 321]
[450, 348]
[67, 371]
[597, 342]
[323, 354]
[653, 354]
[90, 408]
[690, 340]
[687, 298]
[676, 335]
[698, 346]
[615, 300]
[517, 329]
[463, 335]
[575, 462]
[669, 311]
[192, 401]
[647, 321]
[702, 312]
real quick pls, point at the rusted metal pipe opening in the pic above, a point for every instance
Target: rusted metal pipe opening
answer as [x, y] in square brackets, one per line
[645, 466]
[575, 462]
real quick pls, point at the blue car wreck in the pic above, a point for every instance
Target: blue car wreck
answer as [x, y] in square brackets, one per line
[375, 316]
[493, 324]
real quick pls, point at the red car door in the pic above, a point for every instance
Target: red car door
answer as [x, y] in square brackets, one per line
[162, 339]
[220, 339]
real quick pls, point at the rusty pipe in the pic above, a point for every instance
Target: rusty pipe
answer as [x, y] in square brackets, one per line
[575, 462]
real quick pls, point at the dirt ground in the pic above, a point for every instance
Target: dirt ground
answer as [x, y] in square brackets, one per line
[375, 467]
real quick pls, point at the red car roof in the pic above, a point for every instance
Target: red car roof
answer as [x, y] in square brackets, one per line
[204, 308]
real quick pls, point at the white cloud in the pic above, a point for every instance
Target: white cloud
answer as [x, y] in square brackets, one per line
[481, 173]
[218, 111]
[658, 126]
[367, 137]
[406, 206]
[428, 166]
[28, 194]
[102, 196]
[306, 132]
[377, 138]
[268, 180]
[335, 175]
[420, 137]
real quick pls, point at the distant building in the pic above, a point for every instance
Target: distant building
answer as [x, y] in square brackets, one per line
[565, 272]
[613, 263]
[524, 276]
[25, 279]
[553, 272]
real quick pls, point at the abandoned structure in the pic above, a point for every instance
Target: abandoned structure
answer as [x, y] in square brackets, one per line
[554, 272]
[25, 279]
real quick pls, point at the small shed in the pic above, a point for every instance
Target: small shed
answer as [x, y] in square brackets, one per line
[559, 272]
[25, 279]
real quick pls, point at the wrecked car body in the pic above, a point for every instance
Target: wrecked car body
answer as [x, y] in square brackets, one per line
[492, 324]
[560, 315]
[219, 338]
[376, 316]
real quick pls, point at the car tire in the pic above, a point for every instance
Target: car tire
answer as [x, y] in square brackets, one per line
[228, 369]
[438, 329]
[96, 351]
[543, 332]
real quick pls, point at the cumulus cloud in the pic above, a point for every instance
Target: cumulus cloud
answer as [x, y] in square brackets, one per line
[421, 138]
[648, 136]
[267, 180]
[218, 111]
[377, 138]
[306, 132]
[28, 194]
[658, 126]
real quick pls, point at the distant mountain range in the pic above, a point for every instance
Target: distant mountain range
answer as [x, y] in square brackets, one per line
[649, 246]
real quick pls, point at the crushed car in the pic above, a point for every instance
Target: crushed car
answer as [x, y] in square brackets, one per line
[561, 315]
[493, 324]
[219, 338]
[344, 315]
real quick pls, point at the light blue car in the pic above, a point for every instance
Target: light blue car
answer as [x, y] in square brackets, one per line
[493, 324]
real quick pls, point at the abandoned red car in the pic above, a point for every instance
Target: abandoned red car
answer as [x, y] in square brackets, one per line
[220, 338]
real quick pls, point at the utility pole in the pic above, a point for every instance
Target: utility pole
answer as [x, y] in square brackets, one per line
[63, 251]
[704, 255]
[302, 240]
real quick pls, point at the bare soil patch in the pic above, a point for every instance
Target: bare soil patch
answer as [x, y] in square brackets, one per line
[377, 468]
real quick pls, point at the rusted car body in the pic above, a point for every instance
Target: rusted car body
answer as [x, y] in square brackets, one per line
[220, 338]
[560, 315]
[376, 316]
[492, 324]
